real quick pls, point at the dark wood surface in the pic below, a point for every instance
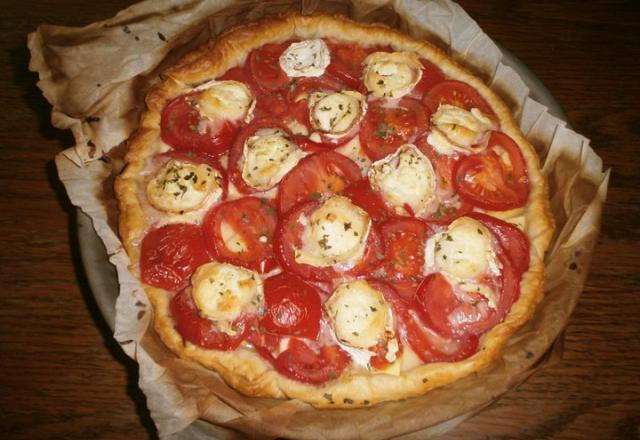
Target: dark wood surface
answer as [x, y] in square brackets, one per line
[63, 376]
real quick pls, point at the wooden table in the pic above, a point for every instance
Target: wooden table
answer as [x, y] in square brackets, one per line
[63, 376]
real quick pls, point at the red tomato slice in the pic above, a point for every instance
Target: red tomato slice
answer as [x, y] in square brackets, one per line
[487, 181]
[455, 93]
[288, 236]
[512, 240]
[234, 74]
[301, 363]
[271, 104]
[430, 347]
[361, 194]
[402, 262]
[346, 63]
[170, 254]
[384, 129]
[236, 154]
[315, 175]
[202, 331]
[180, 127]
[510, 281]
[449, 205]
[264, 67]
[253, 222]
[436, 301]
[431, 75]
[268, 104]
[292, 307]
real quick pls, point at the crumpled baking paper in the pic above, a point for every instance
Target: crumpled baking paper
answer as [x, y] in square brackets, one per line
[102, 105]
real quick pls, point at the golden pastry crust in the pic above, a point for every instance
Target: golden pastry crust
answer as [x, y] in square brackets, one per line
[243, 368]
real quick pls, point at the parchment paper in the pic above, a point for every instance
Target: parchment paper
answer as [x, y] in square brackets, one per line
[95, 78]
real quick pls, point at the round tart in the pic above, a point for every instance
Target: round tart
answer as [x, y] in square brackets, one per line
[332, 211]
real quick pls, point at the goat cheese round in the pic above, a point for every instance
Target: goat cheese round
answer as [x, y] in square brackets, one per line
[306, 58]
[223, 292]
[180, 186]
[360, 315]
[335, 233]
[403, 178]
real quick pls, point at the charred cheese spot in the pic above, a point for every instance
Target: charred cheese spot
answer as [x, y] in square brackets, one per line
[334, 114]
[268, 156]
[405, 177]
[360, 315]
[223, 292]
[391, 75]
[180, 186]
[455, 129]
[335, 233]
[225, 100]
[306, 58]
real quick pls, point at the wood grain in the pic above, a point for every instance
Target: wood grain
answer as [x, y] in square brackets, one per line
[62, 375]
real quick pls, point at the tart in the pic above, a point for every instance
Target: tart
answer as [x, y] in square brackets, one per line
[332, 211]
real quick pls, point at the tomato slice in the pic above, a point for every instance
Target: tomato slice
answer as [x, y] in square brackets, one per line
[315, 175]
[292, 307]
[385, 128]
[436, 301]
[301, 363]
[455, 93]
[361, 194]
[180, 127]
[431, 347]
[236, 154]
[268, 104]
[402, 262]
[170, 254]
[346, 63]
[449, 204]
[241, 232]
[431, 75]
[234, 74]
[202, 331]
[264, 67]
[288, 237]
[488, 181]
[512, 240]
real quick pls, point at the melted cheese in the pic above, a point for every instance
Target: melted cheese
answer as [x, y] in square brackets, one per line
[334, 114]
[180, 186]
[360, 315]
[222, 292]
[268, 156]
[335, 233]
[225, 100]
[455, 129]
[354, 151]
[514, 216]
[233, 240]
[306, 58]
[463, 251]
[480, 289]
[405, 177]
[391, 75]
